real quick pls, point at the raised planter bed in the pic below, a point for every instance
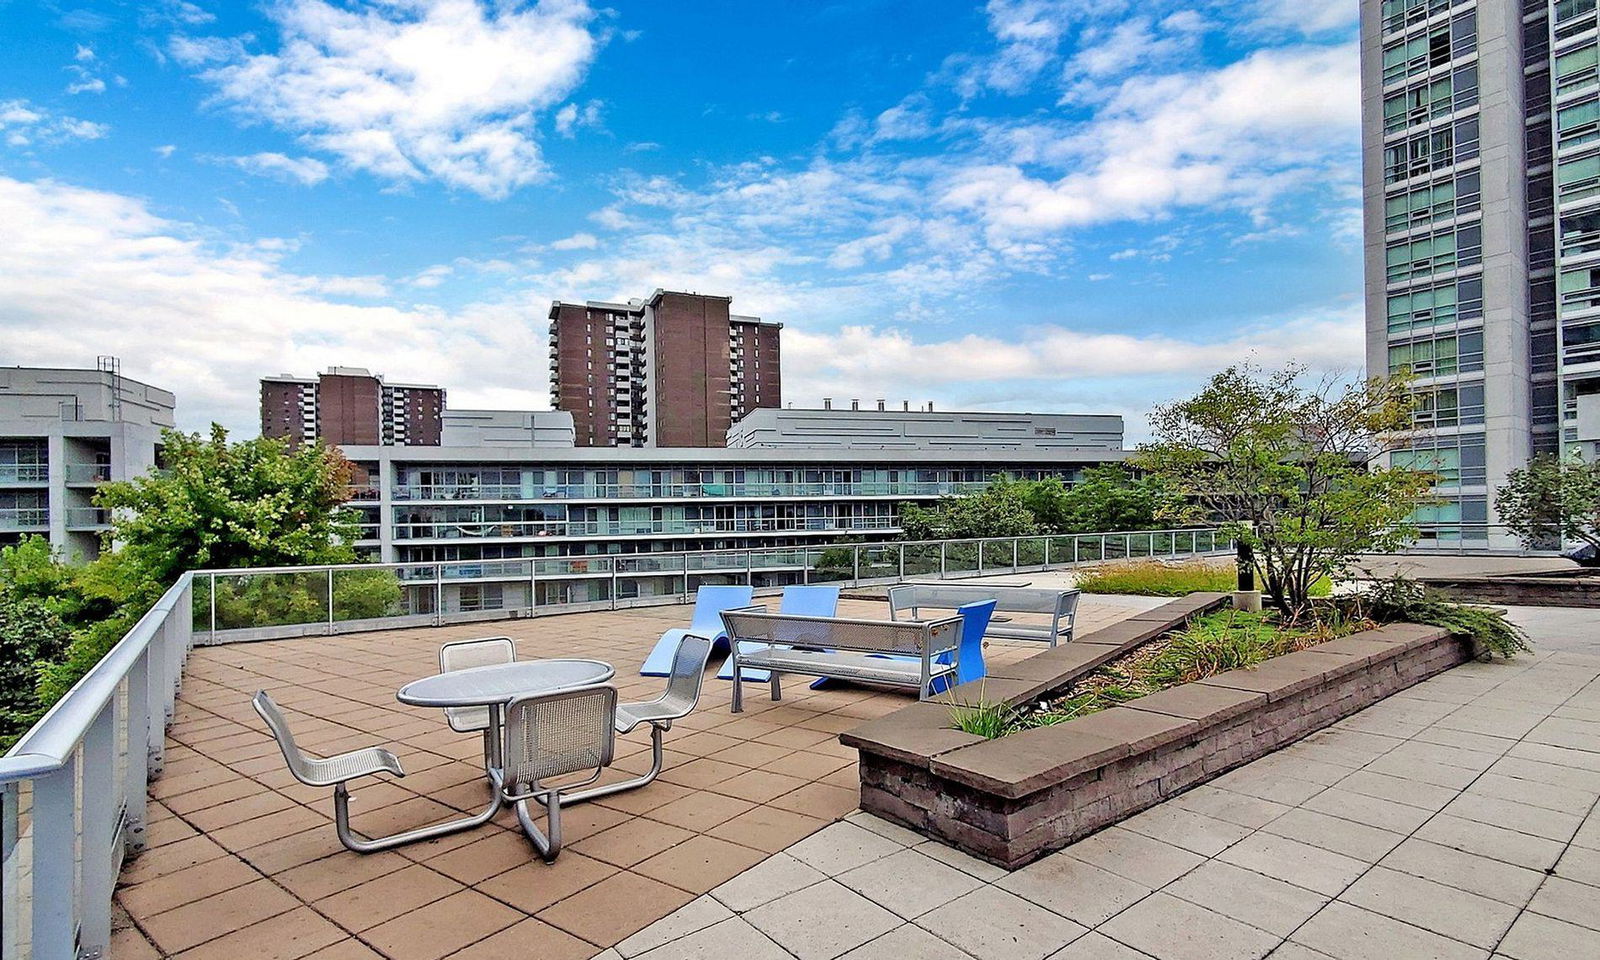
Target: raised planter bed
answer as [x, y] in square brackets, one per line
[1557, 588]
[1013, 799]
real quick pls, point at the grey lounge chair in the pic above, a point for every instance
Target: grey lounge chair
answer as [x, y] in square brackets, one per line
[553, 735]
[678, 701]
[339, 770]
[464, 655]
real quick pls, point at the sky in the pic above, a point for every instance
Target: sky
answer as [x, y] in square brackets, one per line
[1044, 205]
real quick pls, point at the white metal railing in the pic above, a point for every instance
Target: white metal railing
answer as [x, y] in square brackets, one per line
[669, 490]
[24, 518]
[74, 787]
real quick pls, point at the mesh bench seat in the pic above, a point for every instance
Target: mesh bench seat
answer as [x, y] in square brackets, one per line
[1055, 609]
[904, 653]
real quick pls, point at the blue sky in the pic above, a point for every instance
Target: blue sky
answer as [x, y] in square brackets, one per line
[1026, 204]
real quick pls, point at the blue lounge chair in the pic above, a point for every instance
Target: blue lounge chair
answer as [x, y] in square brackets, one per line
[709, 602]
[969, 666]
[820, 601]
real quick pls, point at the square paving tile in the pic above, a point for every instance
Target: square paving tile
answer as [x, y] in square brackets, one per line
[1249, 897]
[766, 881]
[614, 908]
[698, 914]
[908, 942]
[909, 883]
[1079, 891]
[991, 924]
[841, 847]
[822, 921]
[1432, 906]
[524, 939]
[699, 863]
[1537, 937]
[1351, 933]
[1486, 877]
[1135, 857]
[389, 896]
[442, 927]
[1172, 929]
[733, 937]
[1294, 862]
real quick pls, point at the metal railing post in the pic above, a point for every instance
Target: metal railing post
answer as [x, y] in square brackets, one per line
[212, 637]
[685, 578]
[1102, 546]
[533, 587]
[438, 594]
[855, 561]
[1047, 553]
[750, 569]
[330, 601]
[902, 574]
[613, 583]
[100, 800]
[941, 559]
[55, 862]
[1016, 553]
[140, 762]
[980, 558]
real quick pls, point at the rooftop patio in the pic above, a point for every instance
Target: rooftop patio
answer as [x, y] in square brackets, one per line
[243, 860]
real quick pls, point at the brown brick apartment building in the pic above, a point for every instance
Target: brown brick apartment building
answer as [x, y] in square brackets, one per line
[676, 370]
[348, 405]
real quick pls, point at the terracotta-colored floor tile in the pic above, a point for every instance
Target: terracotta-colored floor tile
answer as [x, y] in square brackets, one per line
[820, 800]
[751, 754]
[536, 885]
[273, 826]
[258, 804]
[348, 949]
[442, 927]
[701, 773]
[196, 922]
[479, 861]
[170, 858]
[759, 786]
[186, 886]
[700, 863]
[291, 851]
[128, 943]
[769, 828]
[645, 798]
[795, 737]
[632, 841]
[615, 908]
[288, 936]
[167, 830]
[528, 939]
[806, 765]
[386, 897]
[700, 812]
[323, 878]
[187, 793]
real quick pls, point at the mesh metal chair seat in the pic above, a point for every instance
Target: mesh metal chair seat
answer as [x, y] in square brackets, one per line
[464, 655]
[556, 735]
[338, 771]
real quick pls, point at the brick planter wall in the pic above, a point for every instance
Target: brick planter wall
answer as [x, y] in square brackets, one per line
[1555, 590]
[1016, 798]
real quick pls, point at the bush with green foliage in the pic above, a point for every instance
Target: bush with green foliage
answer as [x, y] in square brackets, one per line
[215, 504]
[30, 633]
[1398, 600]
[1105, 499]
[1552, 500]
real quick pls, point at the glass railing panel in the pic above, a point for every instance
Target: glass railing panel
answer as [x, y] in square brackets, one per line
[878, 563]
[961, 556]
[255, 600]
[831, 565]
[1031, 551]
[922, 559]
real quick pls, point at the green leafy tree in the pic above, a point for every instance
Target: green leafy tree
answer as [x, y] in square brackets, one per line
[1291, 471]
[999, 511]
[216, 504]
[1105, 498]
[1552, 499]
[30, 632]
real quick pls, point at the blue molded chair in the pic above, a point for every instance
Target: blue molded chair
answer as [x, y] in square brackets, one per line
[819, 601]
[969, 665]
[709, 602]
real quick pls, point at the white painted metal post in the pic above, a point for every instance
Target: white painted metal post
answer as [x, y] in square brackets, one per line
[330, 601]
[941, 559]
[855, 561]
[100, 800]
[140, 760]
[533, 587]
[902, 574]
[213, 636]
[438, 594]
[55, 861]
[1016, 552]
[1047, 553]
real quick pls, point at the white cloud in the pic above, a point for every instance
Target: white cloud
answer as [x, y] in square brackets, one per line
[306, 171]
[410, 89]
[431, 277]
[572, 116]
[25, 124]
[1238, 135]
[578, 241]
[97, 272]
[165, 150]
[1308, 16]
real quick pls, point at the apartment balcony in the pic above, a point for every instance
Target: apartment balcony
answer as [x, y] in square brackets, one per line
[88, 473]
[524, 529]
[682, 491]
[24, 474]
[24, 519]
[88, 518]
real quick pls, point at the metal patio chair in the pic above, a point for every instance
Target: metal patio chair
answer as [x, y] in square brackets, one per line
[339, 770]
[554, 735]
[464, 655]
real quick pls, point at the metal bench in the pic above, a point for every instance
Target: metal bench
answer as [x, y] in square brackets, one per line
[1059, 606]
[901, 653]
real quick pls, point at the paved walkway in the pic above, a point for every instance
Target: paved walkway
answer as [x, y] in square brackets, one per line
[1454, 820]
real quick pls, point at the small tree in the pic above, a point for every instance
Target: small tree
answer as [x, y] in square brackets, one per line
[1552, 499]
[999, 511]
[1105, 498]
[1291, 471]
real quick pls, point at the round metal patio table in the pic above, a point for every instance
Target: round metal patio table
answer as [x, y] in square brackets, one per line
[498, 684]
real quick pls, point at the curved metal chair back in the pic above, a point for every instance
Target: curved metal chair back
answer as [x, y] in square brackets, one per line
[279, 725]
[463, 655]
[684, 683]
[554, 734]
